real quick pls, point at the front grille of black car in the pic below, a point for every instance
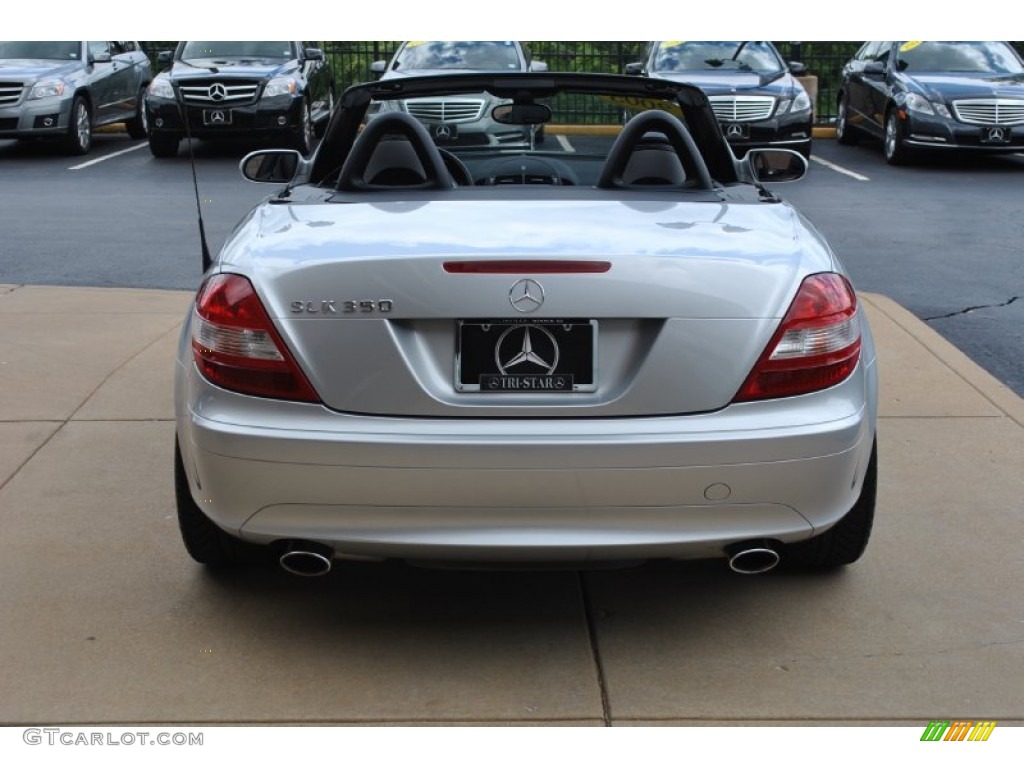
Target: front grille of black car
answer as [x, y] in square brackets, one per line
[741, 109]
[445, 111]
[990, 111]
[10, 93]
[219, 93]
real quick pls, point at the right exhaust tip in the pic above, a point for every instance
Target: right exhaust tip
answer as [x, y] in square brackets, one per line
[307, 558]
[751, 558]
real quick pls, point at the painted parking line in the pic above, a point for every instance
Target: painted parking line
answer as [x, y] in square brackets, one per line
[80, 166]
[564, 142]
[839, 169]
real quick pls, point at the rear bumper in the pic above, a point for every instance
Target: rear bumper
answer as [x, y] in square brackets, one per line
[542, 490]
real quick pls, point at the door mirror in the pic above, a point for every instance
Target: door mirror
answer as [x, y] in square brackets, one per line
[634, 68]
[775, 165]
[874, 68]
[164, 57]
[378, 67]
[270, 166]
[314, 54]
[538, 66]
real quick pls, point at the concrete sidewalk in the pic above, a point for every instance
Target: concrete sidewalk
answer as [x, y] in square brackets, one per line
[107, 620]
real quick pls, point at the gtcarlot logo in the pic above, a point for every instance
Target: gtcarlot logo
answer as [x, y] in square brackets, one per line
[80, 738]
[958, 730]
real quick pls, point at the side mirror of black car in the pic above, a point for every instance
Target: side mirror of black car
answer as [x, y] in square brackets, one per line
[775, 165]
[797, 68]
[314, 54]
[164, 57]
[634, 68]
[875, 68]
[378, 67]
[270, 166]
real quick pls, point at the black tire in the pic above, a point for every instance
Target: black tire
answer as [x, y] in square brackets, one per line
[896, 152]
[79, 137]
[303, 138]
[205, 542]
[844, 133]
[163, 144]
[846, 541]
[136, 127]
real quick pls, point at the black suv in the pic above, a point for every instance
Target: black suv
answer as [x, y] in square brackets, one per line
[283, 91]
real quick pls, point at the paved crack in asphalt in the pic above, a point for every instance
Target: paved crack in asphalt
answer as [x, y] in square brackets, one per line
[967, 310]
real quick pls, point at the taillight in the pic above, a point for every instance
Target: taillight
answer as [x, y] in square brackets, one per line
[236, 347]
[816, 346]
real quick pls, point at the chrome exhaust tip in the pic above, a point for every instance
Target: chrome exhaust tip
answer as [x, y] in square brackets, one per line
[751, 557]
[307, 558]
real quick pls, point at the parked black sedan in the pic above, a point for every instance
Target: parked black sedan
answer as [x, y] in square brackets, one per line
[279, 90]
[915, 95]
[755, 96]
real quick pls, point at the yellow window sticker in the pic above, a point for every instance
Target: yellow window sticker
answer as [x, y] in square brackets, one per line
[672, 43]
[414, 43]
[910, 45]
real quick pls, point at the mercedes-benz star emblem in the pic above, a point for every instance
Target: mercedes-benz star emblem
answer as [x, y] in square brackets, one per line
[532, 346]
[734, 131]
[996, 134]
[443, 132]
[217, 116]
[218, 92]
[526, 296]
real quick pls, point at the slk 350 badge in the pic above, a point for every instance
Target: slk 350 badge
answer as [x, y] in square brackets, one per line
[351, 307]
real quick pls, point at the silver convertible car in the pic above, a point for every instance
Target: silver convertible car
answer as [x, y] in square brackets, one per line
[621, 348]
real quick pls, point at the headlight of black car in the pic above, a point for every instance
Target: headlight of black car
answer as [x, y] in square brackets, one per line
[917, 103]
[280, 86]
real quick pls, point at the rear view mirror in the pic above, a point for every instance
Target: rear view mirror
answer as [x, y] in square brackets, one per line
[521, 114]
[774, 165]
[270, 166]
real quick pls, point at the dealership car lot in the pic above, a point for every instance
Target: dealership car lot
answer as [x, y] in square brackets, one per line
[97, 590]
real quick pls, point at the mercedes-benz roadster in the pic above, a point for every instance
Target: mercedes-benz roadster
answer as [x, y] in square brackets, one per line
[623, 347]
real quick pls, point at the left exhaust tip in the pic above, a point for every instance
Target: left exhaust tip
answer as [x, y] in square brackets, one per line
[752, 557]
[307, 558]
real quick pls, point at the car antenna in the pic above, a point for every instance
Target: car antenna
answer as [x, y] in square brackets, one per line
[183, 113]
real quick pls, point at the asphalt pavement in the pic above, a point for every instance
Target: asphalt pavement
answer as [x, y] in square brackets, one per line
[106, 620]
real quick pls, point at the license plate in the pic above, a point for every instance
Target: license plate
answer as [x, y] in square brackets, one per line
[215, 117]
[736, 131]
[995, 134]
[528, 356]
[443, 132]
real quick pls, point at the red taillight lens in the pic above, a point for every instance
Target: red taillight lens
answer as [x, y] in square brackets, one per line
[236, 347]
[816, 346]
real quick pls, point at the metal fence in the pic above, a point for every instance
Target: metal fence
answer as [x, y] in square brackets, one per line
[351, 62]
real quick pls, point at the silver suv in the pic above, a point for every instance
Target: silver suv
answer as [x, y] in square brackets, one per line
[63, 90]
